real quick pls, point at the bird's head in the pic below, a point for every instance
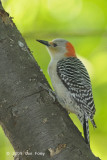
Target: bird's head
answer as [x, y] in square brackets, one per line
[59, 48]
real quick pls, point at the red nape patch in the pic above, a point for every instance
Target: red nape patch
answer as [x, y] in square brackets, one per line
[70, 50]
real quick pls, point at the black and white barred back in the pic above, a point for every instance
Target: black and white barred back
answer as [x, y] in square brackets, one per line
[75, 77]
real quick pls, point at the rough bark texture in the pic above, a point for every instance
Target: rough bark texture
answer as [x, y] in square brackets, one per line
[29, 117]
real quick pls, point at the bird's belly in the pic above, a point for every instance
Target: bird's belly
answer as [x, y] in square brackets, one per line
[63, 95]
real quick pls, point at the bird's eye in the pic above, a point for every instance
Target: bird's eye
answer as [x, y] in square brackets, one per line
[54, 44]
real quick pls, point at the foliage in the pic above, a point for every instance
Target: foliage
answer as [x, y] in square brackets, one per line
[84, 23]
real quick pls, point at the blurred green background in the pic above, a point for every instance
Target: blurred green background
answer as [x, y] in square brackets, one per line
[84, 24]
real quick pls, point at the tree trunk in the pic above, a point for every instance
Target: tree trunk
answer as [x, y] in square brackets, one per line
[37, 127]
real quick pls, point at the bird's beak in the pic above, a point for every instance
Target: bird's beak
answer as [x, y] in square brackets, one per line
[44, 42]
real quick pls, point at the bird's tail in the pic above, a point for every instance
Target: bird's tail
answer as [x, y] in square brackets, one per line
[86, 129]
[84, 121]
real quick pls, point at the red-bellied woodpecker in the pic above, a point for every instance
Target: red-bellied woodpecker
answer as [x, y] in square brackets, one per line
[71, 82]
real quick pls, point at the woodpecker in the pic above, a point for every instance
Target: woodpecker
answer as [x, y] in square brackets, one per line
[71, 82]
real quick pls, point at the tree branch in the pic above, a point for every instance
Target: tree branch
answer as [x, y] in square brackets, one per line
[30, 119]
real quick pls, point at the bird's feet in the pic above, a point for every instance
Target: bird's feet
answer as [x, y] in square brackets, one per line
[51, 92]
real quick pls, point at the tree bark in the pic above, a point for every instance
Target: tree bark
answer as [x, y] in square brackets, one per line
[31, 120]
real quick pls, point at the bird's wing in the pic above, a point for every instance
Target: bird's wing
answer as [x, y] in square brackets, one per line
[75, 77]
